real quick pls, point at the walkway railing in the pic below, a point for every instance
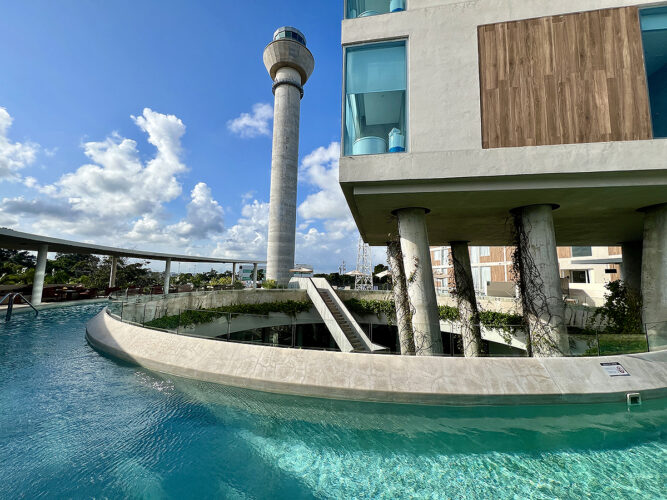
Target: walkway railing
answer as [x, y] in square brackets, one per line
[307, 332]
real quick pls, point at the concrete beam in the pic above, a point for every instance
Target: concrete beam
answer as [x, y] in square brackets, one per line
[419, 280]
[631, 267]
[471, 335]
[401, 301]
[40, 273]
[541, 294]
[654, 276]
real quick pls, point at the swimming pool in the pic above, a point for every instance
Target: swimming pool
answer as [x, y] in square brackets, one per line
[76, 424]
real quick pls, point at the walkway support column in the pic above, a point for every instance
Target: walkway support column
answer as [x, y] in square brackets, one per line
[167, 276]
[401, 302]
[112, 275]
[254, 275]
[539, 281]
[471, 334]
[233, 273]
[40, 273]
[654, 276]
[419, 281]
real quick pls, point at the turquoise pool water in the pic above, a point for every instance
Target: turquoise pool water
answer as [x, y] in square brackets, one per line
[74, 424]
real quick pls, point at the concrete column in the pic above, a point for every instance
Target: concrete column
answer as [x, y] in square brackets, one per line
[541, 294]
[654, 276]
[471, 334]
[401, 302]
[284, 169]
[112, 275]
[40, 272]
[233, 273]
[167, 275]
[254, 275]
[419, 281]
[631, 267]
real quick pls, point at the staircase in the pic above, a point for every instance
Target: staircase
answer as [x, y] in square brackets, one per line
[346, 332]
[343, 323]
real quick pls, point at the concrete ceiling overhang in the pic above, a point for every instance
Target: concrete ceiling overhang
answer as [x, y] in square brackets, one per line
[593, 210]
[17, 240]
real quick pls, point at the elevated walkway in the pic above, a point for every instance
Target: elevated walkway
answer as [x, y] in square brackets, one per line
[345, 330]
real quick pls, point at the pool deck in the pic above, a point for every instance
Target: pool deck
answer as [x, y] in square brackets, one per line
[382, 378]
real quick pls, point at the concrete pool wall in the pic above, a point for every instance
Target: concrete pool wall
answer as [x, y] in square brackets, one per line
[384, 378]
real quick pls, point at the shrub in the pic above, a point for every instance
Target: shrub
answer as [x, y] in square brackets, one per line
[270, 284]
[622, 310]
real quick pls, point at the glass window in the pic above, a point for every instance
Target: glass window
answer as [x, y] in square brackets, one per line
[375, 99]
[654, 38]
[582, 251]
[485, 251]
[579, 277]
[365, 8]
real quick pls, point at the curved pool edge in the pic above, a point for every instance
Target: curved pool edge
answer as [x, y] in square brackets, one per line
[381, 378]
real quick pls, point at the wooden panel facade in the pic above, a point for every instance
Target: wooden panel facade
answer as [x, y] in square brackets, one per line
[568, 79]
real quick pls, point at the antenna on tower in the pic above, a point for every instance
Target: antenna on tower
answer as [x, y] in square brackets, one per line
[364, 280]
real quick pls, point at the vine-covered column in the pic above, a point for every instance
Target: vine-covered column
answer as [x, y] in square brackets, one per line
[471, 334]
[419, 281]
[536, 268]
[401, 301]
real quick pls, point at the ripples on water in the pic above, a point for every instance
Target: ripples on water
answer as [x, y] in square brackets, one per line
[76, 424]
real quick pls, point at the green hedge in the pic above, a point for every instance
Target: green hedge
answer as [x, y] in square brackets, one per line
[504, 321]
[192, 317]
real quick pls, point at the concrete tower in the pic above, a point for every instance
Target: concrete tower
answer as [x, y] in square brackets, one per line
[290, 64]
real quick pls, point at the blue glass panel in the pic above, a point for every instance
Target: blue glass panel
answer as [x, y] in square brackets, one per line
[376, 68]
[366, 8]
[654, 38]
[375, 99]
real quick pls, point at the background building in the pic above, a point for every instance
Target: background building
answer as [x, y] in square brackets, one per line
[584, 271]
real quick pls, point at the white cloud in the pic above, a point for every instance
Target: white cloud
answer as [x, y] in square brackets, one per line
[204, 215]
[119, 198]
[320, 169]
[247, 239]
[14, 156]
[253, 124]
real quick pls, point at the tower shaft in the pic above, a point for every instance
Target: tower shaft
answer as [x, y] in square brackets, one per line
[284, 170]
[290, 64]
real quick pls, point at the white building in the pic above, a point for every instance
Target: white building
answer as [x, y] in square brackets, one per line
[470, 122]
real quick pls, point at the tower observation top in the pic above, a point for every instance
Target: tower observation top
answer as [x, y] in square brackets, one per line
[290, 33]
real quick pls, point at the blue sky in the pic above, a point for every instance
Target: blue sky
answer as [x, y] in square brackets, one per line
[147, 124]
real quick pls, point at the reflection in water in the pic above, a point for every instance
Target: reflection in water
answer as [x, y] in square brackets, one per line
[76, 424]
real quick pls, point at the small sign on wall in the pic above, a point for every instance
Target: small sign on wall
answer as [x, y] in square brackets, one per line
[615, 369]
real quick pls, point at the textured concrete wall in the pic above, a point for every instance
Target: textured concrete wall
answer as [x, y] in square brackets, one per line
[284, 170]
[654, 276]
[404, 379]
[40, 273]
[419, 280]
[541, 282]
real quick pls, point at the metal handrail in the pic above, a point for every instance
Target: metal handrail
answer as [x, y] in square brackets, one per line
[10, 304]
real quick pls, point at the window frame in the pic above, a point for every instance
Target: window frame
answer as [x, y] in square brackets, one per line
[408, 127]
[345, 10]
